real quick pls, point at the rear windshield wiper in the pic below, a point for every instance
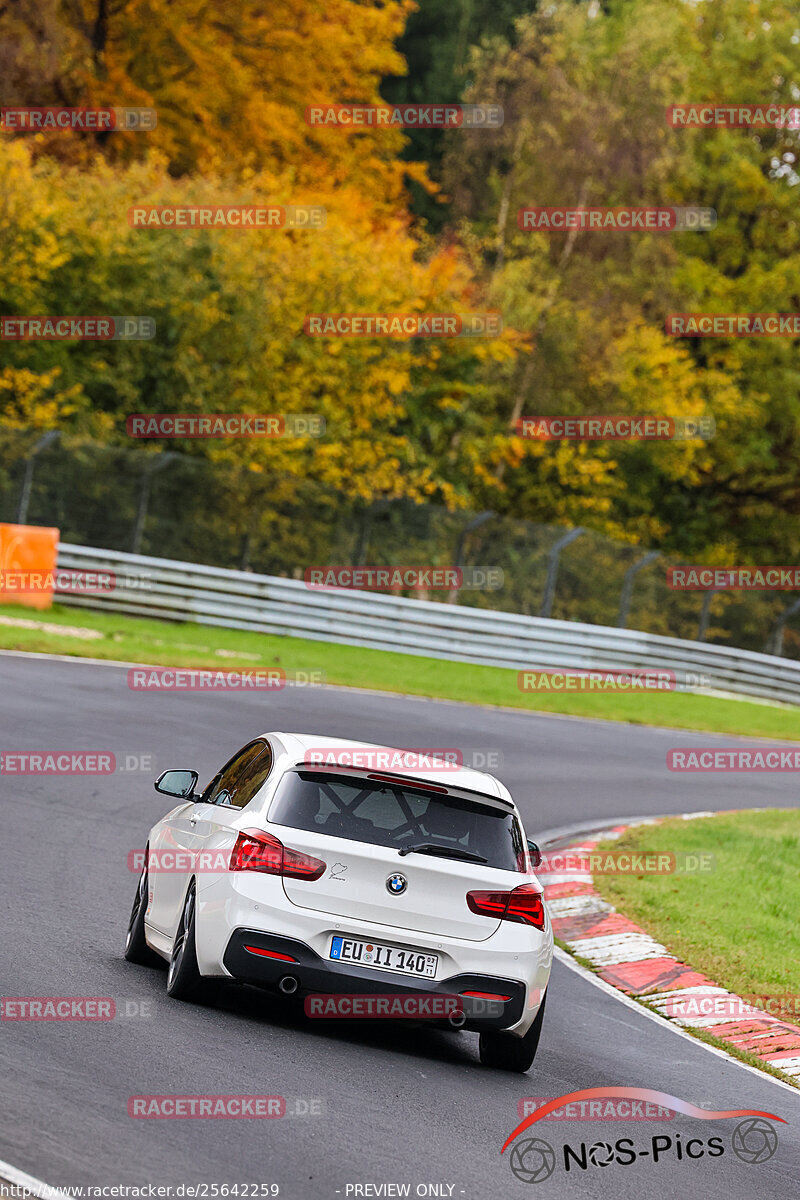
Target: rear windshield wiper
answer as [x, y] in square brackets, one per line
[444, 852]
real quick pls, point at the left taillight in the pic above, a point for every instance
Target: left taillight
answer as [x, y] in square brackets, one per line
[256, 850]
[524, 905]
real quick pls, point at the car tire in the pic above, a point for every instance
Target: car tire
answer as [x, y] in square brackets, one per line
[505, 1052]
[184, 981]
[136, 947]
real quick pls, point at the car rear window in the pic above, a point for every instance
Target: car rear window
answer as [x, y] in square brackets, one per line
[389, 814]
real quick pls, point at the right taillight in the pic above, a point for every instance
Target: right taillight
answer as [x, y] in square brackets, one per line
[524, 905]
[256, 850]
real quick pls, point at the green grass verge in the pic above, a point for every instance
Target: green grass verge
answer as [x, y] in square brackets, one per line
[736, 923]
[172, 644]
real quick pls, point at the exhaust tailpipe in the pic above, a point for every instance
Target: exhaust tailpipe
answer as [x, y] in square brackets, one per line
[289, 985]
[457, 1020]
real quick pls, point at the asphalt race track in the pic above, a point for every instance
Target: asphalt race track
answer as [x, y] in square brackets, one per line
[397, 1105]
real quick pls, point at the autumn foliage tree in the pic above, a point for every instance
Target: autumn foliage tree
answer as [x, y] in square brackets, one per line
[230, 85]
[230, 82]
[585, 91]
[584, 87]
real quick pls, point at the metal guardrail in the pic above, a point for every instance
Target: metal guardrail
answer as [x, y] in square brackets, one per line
[179, 591]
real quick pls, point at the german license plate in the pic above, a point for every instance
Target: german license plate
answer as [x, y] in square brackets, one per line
[388, 958]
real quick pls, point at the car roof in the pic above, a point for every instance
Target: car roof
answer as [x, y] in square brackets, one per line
[297, 747]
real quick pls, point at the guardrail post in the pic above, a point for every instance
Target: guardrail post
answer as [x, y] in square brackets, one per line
[627, 586]
[775, 641]
[158, 464]
[705, 613]
[362, 540]
[458, 557]
[553, 557]
[27, 482]
[244, 564]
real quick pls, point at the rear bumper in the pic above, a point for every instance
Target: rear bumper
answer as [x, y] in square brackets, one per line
[327, 977]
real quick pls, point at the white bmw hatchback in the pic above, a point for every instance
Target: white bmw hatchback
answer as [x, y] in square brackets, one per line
[298, 872]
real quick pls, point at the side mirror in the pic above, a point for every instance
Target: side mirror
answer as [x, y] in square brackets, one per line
[177, 783]
[535, 853]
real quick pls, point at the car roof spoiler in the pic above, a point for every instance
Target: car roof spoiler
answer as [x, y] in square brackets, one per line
[365, 773]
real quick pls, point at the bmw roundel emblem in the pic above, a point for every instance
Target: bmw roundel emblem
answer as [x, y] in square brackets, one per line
[396, 884]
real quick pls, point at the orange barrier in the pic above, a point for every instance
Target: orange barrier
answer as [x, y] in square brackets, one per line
[27, 564]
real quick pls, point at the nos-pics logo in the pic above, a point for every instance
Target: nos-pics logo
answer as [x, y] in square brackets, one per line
[533, 1159]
